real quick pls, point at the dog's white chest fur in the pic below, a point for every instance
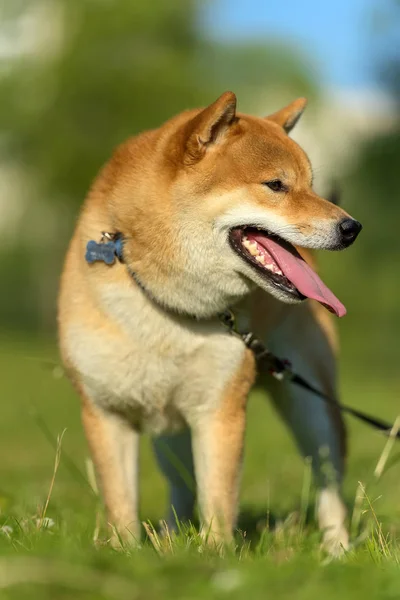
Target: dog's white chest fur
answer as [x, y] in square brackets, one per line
[158, 371]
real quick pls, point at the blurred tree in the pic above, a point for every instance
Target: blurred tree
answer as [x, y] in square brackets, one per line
[265, 73]
[116, 68]
[373, 190]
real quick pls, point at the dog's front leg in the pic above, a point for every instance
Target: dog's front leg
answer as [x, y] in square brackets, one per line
[218, 438]
[114, 446]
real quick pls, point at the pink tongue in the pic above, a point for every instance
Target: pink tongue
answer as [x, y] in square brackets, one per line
[301, 275]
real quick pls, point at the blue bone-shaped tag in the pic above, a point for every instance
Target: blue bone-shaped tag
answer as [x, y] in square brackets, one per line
[105, 252]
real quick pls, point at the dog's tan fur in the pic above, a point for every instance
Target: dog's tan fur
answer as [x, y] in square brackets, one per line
[141, 340]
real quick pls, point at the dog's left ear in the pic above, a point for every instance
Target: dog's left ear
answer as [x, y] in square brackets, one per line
[211, 124]
[287, 117]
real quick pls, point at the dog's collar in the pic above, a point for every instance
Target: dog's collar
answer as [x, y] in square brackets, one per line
[107, 250]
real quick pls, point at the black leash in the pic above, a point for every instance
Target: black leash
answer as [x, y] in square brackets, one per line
[281, 369]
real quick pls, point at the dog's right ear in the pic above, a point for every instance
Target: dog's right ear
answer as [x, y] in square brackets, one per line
[211, 125]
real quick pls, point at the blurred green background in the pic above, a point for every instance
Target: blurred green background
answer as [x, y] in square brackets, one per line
[79, 76]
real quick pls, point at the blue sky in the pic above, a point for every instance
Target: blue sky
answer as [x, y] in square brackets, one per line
[335, 35]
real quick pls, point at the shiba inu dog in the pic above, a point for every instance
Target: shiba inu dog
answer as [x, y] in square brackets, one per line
[207, 210]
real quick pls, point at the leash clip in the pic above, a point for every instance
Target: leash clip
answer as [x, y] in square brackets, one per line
[282, 369]
[279, 375]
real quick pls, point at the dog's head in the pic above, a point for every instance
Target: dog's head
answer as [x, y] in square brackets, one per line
[236, 196]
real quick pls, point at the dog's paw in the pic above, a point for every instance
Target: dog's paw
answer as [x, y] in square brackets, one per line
[125, 538]
[335, 542]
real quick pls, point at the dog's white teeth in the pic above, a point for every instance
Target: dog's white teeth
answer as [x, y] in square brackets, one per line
[252, 248]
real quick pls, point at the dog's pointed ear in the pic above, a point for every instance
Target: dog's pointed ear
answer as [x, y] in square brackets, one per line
[287, 117]
[211, 124]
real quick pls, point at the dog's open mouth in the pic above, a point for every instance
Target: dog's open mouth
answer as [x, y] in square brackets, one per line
[279, 262]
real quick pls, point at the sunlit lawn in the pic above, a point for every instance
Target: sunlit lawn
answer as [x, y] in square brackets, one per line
[277, 551]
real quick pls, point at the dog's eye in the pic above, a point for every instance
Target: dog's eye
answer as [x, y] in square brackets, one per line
[276, 185]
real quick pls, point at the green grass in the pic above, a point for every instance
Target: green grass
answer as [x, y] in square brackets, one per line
[277, 552]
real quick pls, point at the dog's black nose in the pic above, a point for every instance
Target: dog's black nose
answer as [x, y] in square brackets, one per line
[349, 230]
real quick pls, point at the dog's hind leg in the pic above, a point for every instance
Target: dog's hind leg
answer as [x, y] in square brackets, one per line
[305, 338]
[174, 456]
